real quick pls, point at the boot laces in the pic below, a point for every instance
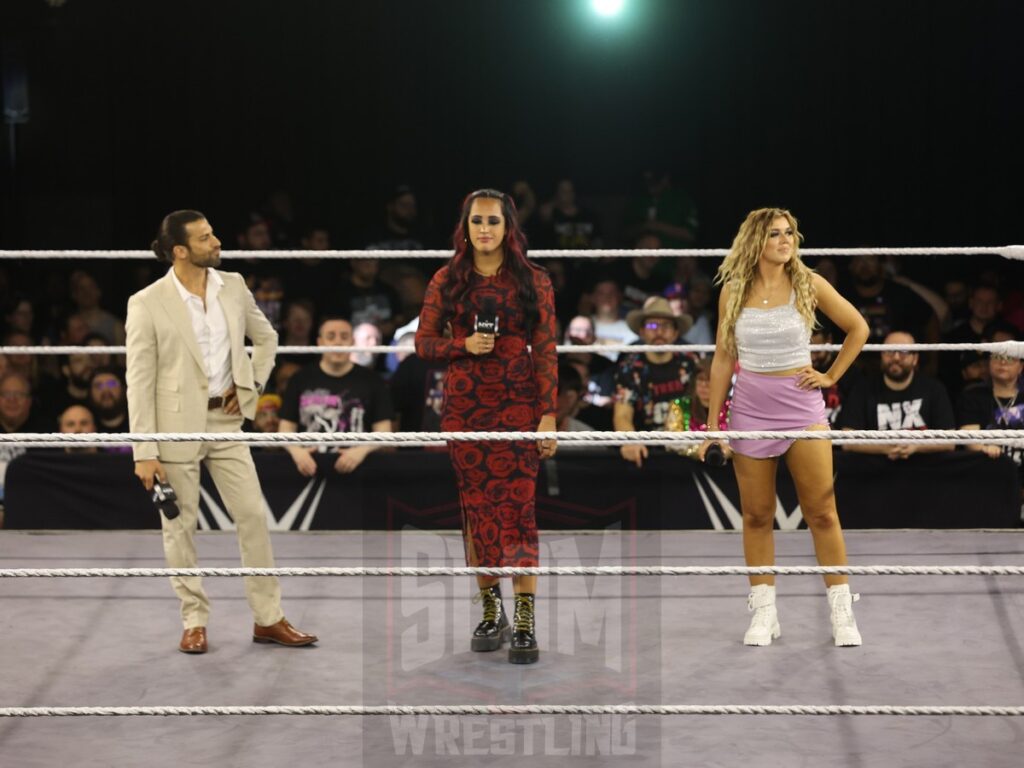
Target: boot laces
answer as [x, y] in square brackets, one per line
[762, 617]
[492, 604]
[763, 610]
[523, 619]
[842, 610]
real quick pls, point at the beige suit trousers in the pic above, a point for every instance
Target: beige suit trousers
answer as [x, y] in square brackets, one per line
[233, 472]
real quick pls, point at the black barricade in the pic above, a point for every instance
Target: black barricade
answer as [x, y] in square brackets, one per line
[580, 489]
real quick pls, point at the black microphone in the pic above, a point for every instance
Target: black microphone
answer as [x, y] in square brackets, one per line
[165, 499]
[714, 455]
[487, 317]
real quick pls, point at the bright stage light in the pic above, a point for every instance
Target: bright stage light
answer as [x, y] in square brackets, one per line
[607, 7]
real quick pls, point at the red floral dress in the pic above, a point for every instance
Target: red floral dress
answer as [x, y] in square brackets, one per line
[507, 390]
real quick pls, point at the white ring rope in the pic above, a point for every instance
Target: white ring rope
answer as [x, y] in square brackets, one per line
[543, 570]
[1006, 251]
[593, 437]
[1010, 348]
[467, 710]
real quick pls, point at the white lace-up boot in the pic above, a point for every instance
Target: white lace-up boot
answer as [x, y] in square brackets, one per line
[764, 624]
[844, 626]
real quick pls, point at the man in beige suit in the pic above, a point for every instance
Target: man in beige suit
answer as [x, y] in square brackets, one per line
[188, 371]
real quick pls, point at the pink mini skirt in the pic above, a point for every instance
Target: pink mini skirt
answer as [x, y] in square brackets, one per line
[772, 403]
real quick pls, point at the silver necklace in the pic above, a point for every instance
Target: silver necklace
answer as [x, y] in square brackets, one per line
[1003, 414]
[767, 297]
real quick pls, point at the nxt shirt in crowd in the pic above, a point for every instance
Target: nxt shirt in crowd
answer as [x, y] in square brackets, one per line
[922, 405]
[650, 387]
[319, 402]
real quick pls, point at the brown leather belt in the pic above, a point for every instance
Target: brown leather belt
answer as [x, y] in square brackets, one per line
[214, 402]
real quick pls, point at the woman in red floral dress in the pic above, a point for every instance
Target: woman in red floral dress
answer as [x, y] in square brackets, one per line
[501, 378]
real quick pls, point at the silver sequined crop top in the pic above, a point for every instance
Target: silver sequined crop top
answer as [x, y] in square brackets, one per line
[773, 339]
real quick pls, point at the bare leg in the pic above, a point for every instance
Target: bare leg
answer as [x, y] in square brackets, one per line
[756, 480]
[482, 582]
[527, 584]
[810, 464]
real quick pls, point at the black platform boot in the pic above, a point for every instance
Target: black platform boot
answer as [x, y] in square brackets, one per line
[523, 649]
[493, 629]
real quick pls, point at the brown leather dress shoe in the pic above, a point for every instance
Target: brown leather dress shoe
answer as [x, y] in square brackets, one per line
[281, 633]
[193, 640]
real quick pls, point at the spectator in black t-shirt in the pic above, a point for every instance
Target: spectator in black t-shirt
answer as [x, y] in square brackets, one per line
[26, 364]
[648, 382]
[364, 298]
[638, 277]
[335, 395]
[956, 293]
[108, 399]
[86, 296]
[999, 405]
[984, 305]
[570, 399]
[663, 210]
[253, 234]
[899, 398]
[565, 224]
[973, 371]
[19, 315]
[16, 415]
[297, 327]
[314, 278]
[17, 405]
[417, 389]
[600, 371]
[400, 231]
[76, 373]
[280, 217]
[888, 306]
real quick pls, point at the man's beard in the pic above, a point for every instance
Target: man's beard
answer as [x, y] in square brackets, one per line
[899, 374]
[112, 412]
[209, 260]
[78, 382]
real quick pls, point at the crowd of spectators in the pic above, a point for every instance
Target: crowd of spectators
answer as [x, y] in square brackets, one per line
[644, 299]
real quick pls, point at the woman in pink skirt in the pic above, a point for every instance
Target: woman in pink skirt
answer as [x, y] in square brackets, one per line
[766, 310]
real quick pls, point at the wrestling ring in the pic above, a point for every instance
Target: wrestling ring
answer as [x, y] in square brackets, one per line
[637, 627]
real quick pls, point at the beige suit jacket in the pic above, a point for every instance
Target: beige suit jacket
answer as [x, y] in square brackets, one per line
[168, 387]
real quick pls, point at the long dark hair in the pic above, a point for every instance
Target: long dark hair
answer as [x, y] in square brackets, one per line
[516, 264]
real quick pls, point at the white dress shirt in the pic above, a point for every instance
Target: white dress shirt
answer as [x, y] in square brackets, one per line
[211, 329]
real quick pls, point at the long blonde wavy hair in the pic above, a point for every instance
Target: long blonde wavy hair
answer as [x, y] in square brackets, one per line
[740, 267]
